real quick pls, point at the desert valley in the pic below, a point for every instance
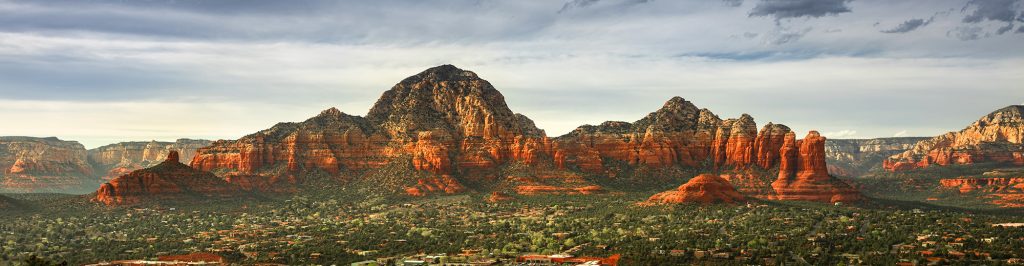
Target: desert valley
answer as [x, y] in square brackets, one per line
[524, 133]
[441, 171]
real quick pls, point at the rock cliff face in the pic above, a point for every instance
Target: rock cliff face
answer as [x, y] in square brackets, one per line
[994, 184]
[118, 159]
[704, 188]
[456, 128]
[803, 174]
[997, 137]
[857, 157]
[1007, 192]
[677, 134]
[169, 180]
[448, 119]
[43, 165]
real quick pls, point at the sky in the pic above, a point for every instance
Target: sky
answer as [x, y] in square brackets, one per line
[105, 71]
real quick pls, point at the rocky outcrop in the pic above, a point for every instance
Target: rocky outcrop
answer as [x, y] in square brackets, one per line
[991, 184]
[169, 180]
[803, 174]
[121, 158]
[449, 120]
[1007, 192]
[498, 196]
[540, 190]
[43, 165]
[456, 128]
[858, 157]
[704, 188]
[997, 138]
[329, 142]
[442, 184]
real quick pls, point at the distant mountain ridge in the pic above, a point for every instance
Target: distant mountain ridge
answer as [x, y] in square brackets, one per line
[858, 157]
[32, 164]
[997, 137]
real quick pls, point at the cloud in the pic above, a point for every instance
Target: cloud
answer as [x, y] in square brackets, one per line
[733, 3]
[909, 25]
[577, 4]
[782, 36]
[1006, 11]
[900, 134]
[295, 58]
[997, 10]
[968, 33]
[782, 9]
[846, 133]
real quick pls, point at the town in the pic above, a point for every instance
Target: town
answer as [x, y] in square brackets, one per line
[544, 230]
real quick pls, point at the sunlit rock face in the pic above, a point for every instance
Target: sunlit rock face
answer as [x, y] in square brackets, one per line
[704, 188]
[1007, 192]
[43, 165]
[803, 174]
[457, 128]
[448, 120]
[121, 158]
[169, 180]
[997, 137]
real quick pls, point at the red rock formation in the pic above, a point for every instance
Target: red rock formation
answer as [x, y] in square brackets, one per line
[1007, 192]
[769, 141]
[531, 190]
[121, 158]
[329, 141]
[446, 119]
[734, 142]
[803, 174]
[168, 180]
[498, 196]
[992, 184]
[997, 137]
[704, 188]
[30, 165]
[442, 184]
[455, 126]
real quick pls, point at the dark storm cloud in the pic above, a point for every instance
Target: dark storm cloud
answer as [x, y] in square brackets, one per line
[909, 25]
[997, 10]
[782, 9]
[978, 11]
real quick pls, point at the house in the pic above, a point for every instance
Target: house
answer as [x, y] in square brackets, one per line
[365, 263]
[414, 263]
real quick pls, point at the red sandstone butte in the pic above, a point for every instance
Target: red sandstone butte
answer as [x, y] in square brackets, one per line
[704, 188]
[168, 180]
[804, 176]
